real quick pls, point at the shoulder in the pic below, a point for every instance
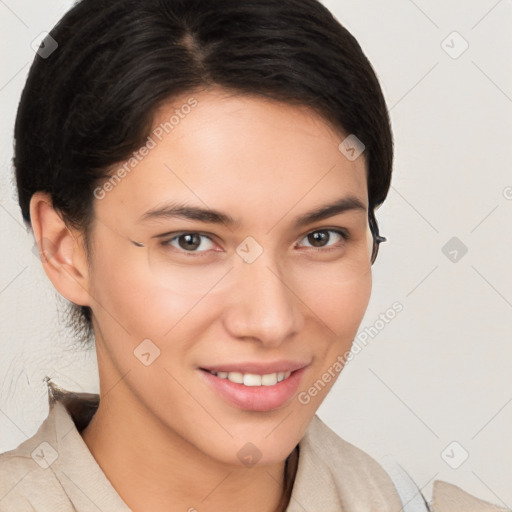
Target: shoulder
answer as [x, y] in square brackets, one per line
[14, 468]
[27, 473]
[331, 466]
[354, 473]
[335, 450]
[27, 485]
[362, 471]
[447, 497]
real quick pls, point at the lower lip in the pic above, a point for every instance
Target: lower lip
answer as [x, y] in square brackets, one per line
[255, 398]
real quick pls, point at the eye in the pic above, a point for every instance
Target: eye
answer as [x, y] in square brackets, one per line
[318, 239]
[189, 242]
[193, 243]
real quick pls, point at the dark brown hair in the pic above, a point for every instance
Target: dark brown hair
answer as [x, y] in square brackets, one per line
[90, 103]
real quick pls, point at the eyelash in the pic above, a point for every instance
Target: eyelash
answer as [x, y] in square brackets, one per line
[344, 234]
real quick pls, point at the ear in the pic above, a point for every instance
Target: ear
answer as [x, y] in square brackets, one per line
[61, 250]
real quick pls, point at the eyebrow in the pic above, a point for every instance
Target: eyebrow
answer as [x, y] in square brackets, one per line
[207, 215]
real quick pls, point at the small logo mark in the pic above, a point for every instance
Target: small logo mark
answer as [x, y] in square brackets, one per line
[454, 249]
[45, 455]
[351, 147]
[454, 45]
[454, 455]
[249, 250]
[44, 45]
[146, 352]
[249, 455]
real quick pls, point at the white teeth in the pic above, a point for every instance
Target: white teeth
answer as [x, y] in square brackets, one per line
[236, 377]
[270, 379]
[252, 379]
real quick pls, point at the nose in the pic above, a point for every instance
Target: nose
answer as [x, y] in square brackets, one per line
[262, 305]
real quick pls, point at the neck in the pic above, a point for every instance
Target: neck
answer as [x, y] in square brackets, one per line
[153, 468]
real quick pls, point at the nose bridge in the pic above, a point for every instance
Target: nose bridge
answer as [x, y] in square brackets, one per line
[262, 305]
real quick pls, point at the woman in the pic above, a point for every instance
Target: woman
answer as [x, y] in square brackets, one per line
[201, 179]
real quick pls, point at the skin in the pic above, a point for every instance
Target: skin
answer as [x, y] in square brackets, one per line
[163, 437]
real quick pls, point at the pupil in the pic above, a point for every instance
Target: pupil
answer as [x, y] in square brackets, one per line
[317, 238]
[189, 244]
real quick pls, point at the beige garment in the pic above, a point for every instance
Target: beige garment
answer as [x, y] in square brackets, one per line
[450, 498]
[54, 471]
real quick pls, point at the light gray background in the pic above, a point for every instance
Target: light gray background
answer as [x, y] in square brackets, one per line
[440, 370]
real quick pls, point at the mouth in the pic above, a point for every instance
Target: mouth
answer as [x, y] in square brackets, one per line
[252, 379]
[253, 391]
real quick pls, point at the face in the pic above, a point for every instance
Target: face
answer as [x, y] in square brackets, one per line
[221, 326]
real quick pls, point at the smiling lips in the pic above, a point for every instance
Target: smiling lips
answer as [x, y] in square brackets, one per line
[256, 386]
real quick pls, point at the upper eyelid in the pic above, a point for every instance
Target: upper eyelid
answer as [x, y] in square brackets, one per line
[170, 236]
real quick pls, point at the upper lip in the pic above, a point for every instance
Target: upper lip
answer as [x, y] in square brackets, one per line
[257, 368]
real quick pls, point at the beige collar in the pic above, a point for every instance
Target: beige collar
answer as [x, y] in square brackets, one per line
[450, 498]
[332, 475]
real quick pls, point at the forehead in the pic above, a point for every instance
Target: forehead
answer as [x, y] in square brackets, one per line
[243, 154]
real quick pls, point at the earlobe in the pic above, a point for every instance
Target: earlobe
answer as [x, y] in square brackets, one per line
[61, 251]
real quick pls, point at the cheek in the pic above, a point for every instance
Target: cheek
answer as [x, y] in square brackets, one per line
[125, 298]
[133, 302]
[339, 310]
[338, 305]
